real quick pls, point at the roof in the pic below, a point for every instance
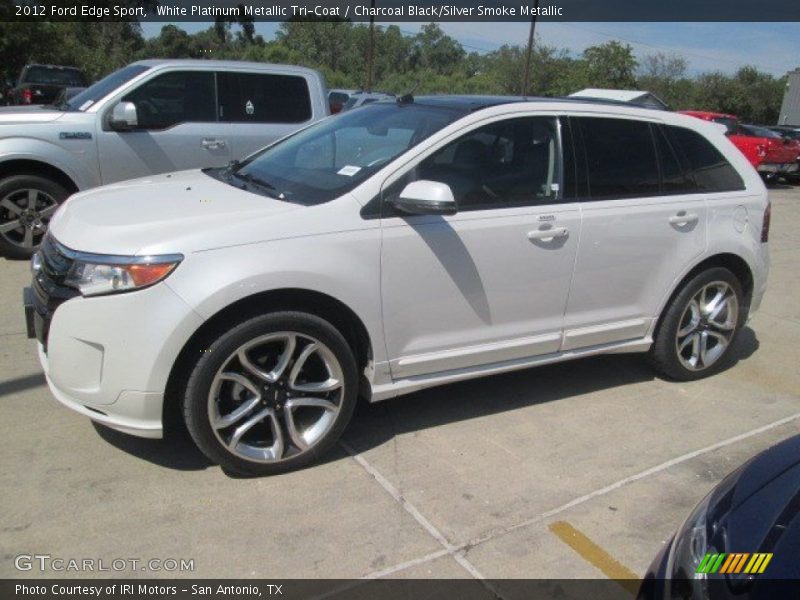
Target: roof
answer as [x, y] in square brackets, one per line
[705, 114]
[221, 64]
[619, 95]
[472, 103]
[627, 96]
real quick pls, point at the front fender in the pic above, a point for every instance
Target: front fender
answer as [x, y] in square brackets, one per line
[79, 163]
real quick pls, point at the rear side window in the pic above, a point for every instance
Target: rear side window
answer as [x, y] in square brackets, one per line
[174, 98]
[674, 176]
[708, 167]
[263, 98]
[621, 158]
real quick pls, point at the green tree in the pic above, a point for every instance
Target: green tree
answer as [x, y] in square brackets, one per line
[610, 65]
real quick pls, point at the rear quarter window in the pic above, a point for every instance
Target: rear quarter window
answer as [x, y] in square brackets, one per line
[710, 170]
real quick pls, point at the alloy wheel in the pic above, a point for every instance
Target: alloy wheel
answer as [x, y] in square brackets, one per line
[24, 215]
[707, 326]
[276, 397]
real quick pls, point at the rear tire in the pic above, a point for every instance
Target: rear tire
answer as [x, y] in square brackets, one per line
[700, 325]
[272, 394]
[27, 203]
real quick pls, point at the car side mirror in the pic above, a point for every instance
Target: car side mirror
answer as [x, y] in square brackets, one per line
[124, 117]
[425, 197]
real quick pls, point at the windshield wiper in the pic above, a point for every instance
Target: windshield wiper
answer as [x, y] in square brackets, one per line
[271, 190]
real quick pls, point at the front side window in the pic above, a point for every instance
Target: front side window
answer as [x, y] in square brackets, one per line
[104, 87]
[173, 98]
[263, 98]
[507, 163]
[332, 157]
[620, 158]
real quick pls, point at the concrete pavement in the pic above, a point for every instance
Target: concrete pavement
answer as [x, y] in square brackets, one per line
[460, 481]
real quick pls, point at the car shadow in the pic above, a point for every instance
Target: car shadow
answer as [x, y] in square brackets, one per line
[375, 424]
[21, 384]
[176, 451]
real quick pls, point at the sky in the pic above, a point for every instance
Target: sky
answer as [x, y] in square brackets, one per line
[772, 47]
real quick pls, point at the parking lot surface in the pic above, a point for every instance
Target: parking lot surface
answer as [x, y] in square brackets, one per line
[477, 479]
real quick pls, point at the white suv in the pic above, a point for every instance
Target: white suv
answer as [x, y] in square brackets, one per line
[393, 248]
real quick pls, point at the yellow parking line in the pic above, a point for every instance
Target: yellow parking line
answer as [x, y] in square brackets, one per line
[596, 556]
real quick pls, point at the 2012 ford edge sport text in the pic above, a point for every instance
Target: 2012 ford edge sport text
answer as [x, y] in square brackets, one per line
[396, 247]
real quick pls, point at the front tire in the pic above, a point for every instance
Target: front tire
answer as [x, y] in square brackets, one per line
[271, 395]
[699, 327]
[27, 202]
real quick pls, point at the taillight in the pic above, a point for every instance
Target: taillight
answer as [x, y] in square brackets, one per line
[765, 223]
[27, 96]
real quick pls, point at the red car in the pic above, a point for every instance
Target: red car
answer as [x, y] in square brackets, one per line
[772, 155]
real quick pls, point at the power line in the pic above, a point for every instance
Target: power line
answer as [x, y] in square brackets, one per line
[666, 48]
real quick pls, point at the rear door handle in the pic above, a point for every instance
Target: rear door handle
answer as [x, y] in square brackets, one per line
[683, 218]
[212, 144]
[545, 235]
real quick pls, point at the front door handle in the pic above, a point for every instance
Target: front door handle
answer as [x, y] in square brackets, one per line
[546, 235]
[212, 144]
[684, 218]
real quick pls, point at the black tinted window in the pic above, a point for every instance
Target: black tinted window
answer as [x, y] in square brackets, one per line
[173, 98]
[508, 163]
[620, 158]
[710, 170]
[674, 178]
[254, 98]
[105, 86]
[55, 76]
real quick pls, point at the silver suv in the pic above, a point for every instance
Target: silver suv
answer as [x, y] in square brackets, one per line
[150, 117]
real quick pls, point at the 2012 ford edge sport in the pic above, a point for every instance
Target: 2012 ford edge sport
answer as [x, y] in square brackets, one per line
[396, 247]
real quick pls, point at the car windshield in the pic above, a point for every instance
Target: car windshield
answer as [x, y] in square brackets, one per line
[55, 75]
[103, 88]
[328, 159]
[753, 130]
[730, 124]
[788, 133]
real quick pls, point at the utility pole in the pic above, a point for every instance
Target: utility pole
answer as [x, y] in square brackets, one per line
[526, 74]
[371, 48]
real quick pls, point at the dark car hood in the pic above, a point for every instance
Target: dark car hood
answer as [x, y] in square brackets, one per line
[758, 507]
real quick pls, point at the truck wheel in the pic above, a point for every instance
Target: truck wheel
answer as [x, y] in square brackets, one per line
[27, 202]
[272, 394]
[700, 325]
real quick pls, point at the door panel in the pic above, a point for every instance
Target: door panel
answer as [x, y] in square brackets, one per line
[630, 253]
[177, 129]
[490, 283]
[473, 288]
[632, 247]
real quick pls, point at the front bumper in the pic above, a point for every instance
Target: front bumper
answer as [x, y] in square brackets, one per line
[110, 357]
[135, 413]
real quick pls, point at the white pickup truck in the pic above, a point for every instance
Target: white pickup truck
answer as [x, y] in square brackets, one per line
[150, 117]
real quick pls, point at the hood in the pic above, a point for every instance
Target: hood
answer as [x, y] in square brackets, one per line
[17, 115]
[758, 507]
[180, 212]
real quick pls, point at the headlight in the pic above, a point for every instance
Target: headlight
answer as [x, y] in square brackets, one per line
[688, 550]
[97, 274]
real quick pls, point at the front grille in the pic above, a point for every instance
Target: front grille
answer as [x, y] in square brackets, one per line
[49, 289]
